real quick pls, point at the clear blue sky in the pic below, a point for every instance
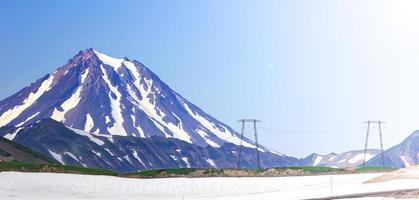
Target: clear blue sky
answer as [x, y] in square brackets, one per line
[312, 71]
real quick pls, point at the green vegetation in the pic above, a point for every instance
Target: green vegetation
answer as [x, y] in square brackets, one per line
[32, 167]
[18, 166]
[186, 172]
[181, 171]
[147, 173]
[374, 169]
[162, 172]
[213, 172]
[315, 169]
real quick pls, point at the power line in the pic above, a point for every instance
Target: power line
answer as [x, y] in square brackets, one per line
[287, 131]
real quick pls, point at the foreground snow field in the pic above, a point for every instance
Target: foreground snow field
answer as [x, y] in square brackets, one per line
[19, 185]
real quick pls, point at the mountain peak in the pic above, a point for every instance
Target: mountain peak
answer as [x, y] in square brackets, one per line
[104, 95]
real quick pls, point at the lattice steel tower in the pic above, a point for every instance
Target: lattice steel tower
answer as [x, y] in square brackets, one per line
[381, 139]
[243, 121]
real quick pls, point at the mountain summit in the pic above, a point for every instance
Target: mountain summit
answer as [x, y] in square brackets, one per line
[103, 95]
[114, 113]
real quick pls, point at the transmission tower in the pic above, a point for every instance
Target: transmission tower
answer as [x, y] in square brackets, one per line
[381, 139]
[243, 121]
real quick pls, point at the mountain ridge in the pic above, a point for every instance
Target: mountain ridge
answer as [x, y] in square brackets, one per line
[404, 154]
[129, 99]
[107, 103]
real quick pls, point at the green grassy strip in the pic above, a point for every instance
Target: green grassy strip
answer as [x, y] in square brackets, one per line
[374, 168]
[314, 169]
[23, 166]
[32, 167]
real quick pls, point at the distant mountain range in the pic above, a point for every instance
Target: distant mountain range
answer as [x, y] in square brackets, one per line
[117, 114]
[345, 159]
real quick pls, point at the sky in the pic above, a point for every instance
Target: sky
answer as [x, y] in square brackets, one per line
[311, 71]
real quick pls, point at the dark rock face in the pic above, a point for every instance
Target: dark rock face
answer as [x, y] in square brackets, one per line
[12, 151]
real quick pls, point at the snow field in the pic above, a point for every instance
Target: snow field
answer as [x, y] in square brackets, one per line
[18, 185]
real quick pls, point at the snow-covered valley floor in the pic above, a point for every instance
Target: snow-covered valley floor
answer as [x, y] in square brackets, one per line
[19, 185]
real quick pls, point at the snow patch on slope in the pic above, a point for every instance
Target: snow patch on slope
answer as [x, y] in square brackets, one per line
[29, 118]
[225, 135]
[360, 157]
[406, 164]
[115, 63]
[89, 123]
[135, 154]
[151, 110]
[211, 162]
[317, 160]
[72, 156]
[12, 135]
[71, 102]
[117, 128]
[13, 113]
[56, 156]
[185, 159]
[89, 135]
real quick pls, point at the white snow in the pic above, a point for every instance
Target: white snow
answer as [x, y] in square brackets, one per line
[173, 157]
[97, 154]
[13, 134]
[406, 163]
[71, 102]
[89, 123]
[49, 186]
[211, 162]
[185, 159]
[151, 111]
[204, 135]
[72, 156]
[107, 119]
[13, 113]
[359, 157]
[139, 129]
[84, 76]
[89, 135]
[126, 157]
[135, 154]
[109, 151]
[56, 156]
[317, 160]
[117, 128]
[29, 118]
[224, 135]
[133, 69]
[115, 63]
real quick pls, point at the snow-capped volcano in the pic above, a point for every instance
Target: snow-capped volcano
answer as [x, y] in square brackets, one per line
[110, 96]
